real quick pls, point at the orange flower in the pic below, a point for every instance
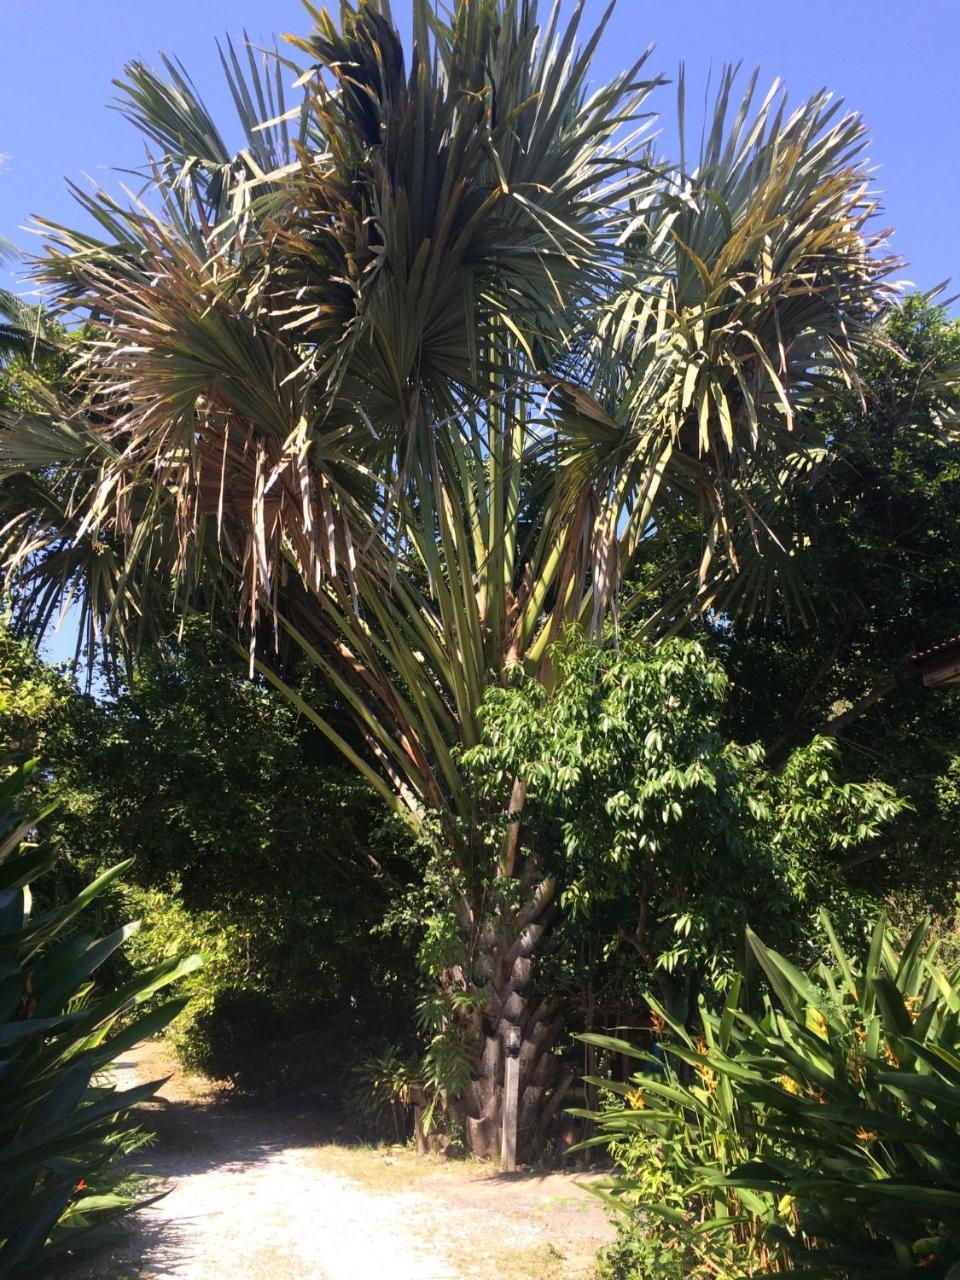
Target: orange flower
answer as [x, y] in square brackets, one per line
[817, 1023]
[708, 1077]
[867, 1135]
[913, 1004]
[81, 1185]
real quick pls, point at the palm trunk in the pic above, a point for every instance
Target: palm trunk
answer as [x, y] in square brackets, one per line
[504, 970]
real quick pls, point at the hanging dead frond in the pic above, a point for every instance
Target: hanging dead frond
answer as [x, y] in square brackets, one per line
[402, 385]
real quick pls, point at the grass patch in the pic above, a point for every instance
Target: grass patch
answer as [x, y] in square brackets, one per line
[462, 1200]
[383, 1169]
[521, 1262]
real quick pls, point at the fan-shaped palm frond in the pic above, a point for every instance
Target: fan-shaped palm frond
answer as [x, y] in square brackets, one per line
[208, 186]
[23, 331]
[759, 280]
[417, 393]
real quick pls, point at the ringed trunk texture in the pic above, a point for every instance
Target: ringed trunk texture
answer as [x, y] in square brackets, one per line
[504, 968]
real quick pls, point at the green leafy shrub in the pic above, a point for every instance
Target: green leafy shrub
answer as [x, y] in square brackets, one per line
[62, 1122]
[384, 1090]
[666, 837]
[667, 1129]
[254, 1018]
[387, 1086]
[813, 1126]
[253, 846]
[233, 1035]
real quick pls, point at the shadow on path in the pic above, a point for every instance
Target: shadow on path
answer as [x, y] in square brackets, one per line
[266, 1192]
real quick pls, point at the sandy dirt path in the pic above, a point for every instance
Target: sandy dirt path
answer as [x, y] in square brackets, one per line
[258, 1194]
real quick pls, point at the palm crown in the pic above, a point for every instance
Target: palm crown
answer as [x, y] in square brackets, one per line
[407, 376]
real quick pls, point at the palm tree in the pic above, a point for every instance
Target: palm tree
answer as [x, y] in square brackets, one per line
[23, 331]
[402, 384]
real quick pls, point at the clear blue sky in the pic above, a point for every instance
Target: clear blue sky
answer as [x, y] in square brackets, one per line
[892, 60]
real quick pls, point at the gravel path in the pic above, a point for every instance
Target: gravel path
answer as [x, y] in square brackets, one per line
[255, 1194]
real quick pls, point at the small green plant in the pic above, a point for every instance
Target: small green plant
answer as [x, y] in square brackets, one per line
[63, 1123]
[448, 1018]
[814, 1125]
[664, 1129]
[386, 1087]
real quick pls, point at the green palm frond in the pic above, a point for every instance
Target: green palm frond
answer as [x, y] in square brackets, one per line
[23, 331]
[206, 183]
[404, 382]
[759, 281]
[462, 210]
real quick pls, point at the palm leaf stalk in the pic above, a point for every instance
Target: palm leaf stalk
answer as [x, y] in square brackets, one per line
[406, 406]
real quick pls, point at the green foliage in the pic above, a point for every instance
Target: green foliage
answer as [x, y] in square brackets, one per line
[384, 1089]
[664, 1230]
[447, 1018]
[218, 1033]
[238, 1034]
[25, 335]
[814, 1123]
[878, 560]
[318, 395]
[665, 836]
[252, 844]
[63, 1125]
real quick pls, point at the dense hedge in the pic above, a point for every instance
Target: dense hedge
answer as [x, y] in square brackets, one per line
[252, 844]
